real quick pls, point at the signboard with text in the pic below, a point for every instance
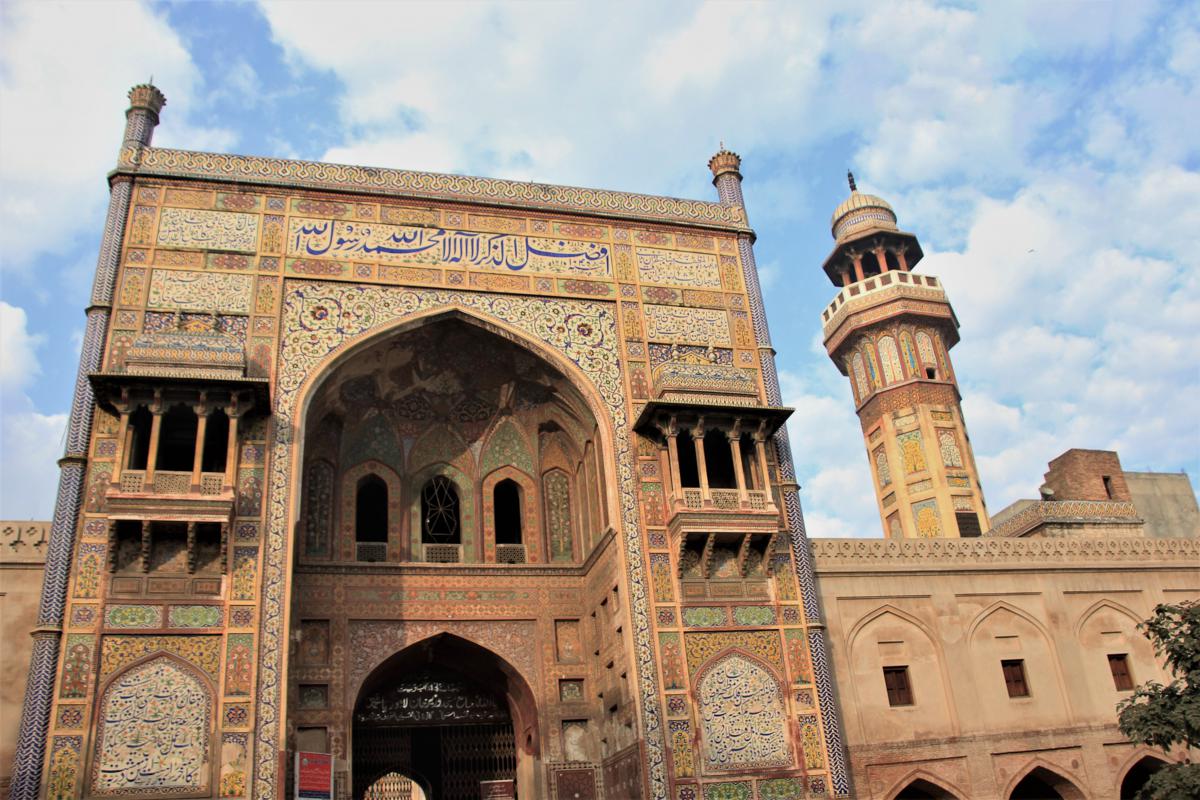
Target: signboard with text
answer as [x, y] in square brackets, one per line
[497, 790]
[314, 776]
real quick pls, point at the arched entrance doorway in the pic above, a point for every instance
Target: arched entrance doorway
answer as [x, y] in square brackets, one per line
[1044, 784]
[445, 714]
[1137, 776]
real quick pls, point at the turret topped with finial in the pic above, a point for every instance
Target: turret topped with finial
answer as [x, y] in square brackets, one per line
[145, 103]
[725, 161]
[147, 96]
[727, 177]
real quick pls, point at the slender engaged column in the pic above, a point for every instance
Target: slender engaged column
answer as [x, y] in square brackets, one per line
[198, 458]
[727, 178]
[701, 464]
[140, 119]
[231, 457]
[735, 450]
[122, 447]
[156, 412]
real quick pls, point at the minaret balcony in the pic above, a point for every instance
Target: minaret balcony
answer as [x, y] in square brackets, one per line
[911, 293]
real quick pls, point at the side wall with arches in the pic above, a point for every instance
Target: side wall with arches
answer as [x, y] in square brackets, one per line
[951, 612]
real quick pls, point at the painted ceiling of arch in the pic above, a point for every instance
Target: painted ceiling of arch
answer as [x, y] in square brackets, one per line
[446, 372]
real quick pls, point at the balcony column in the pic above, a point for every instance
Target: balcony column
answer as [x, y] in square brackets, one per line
[671, 432]
[760, 449]
[124, 408]
[234, 411]
[881, 257]
[156, 410]
[701, 464]
[735, 448]
[902, 259]
[224, 548]
[202, 410]
[858, 268]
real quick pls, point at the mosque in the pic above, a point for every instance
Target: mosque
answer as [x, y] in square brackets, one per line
[390, 484]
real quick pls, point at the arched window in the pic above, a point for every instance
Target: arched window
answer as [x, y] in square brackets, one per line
[440, 512]
[371, 510]
[507, 501]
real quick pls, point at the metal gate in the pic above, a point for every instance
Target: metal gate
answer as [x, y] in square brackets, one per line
[439, 730]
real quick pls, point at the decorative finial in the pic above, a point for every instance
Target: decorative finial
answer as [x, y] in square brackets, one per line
[725, 161]
[722, 144]
[850, 178]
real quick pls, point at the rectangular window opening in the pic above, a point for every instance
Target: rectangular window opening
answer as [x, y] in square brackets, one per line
[1118, 665]
[968, 524]
[1108, 486]
[899, 692]
[1014, 677]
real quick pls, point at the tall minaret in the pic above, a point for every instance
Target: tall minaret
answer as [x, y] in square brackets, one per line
[890, 331]
[145, 101]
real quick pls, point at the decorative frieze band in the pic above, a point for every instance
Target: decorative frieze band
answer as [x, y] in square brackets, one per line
[428, 185]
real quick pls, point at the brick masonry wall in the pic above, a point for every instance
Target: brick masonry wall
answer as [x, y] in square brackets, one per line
[1079, 475]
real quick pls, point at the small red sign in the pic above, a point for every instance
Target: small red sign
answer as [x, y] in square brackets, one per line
[314, 776]
[497, 790]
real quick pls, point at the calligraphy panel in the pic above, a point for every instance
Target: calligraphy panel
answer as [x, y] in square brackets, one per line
[687, 269]
[208, 230]
[687, 325]
[153, 732]
[185, 290]
[399, 244]
[742, 716]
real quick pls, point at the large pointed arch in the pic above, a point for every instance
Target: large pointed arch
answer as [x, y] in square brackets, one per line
[328, 322]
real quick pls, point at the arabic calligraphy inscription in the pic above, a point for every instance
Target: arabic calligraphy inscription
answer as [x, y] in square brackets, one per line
[154, 729]
[742, 716]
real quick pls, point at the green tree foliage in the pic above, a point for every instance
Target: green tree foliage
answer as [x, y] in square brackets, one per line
[1167, 715]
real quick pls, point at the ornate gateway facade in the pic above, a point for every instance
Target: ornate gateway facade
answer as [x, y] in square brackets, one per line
[456, 479]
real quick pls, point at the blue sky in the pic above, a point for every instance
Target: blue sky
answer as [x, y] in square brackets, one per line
[1044, 152]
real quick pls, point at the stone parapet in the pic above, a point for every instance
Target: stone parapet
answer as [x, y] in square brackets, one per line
[23, 542]
[863, 296]
[1066, 512]
[991, 552]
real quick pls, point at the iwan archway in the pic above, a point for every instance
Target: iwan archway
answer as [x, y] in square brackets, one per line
[455, 548]
[448, 714]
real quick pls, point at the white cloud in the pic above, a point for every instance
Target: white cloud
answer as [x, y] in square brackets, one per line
[62, 98]
[18, 362]
[30, 442]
